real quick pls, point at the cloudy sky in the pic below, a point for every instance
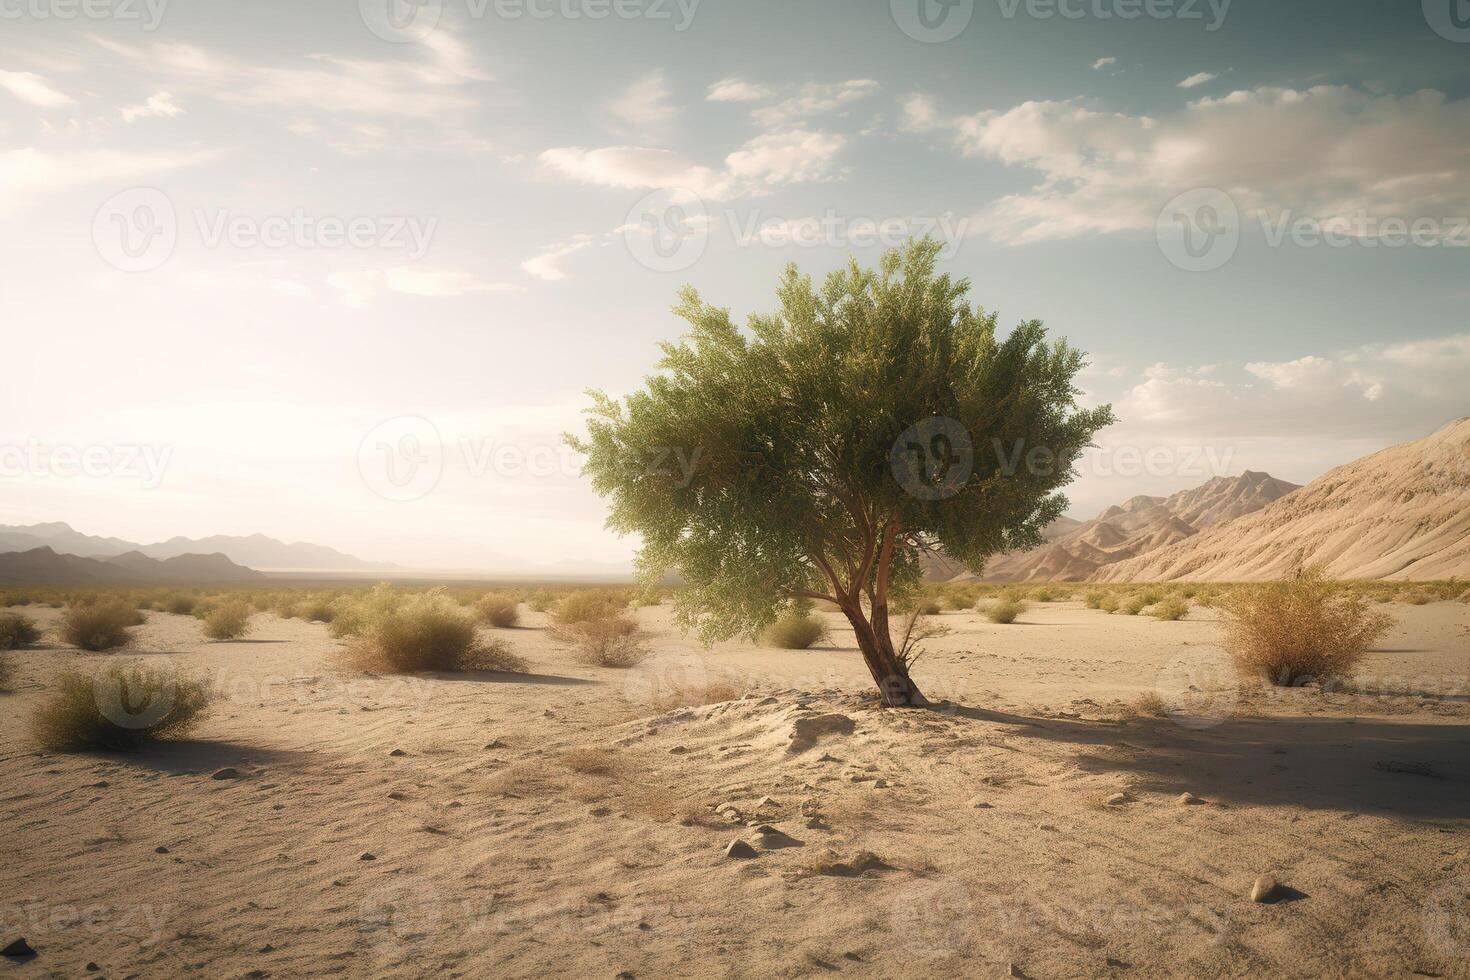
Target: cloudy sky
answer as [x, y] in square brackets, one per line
[340, 271]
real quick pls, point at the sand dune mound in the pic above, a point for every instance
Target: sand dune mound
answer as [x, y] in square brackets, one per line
[1401, 513]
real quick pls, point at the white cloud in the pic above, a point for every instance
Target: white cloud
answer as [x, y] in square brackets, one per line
[644, 106]
[1198, 78]
[161, 105]
[815, 99]
[1103, 63]
[32, 88]
[1329, 152]
[547, 265]
[737, 90]
[920, 113]
[768, 160]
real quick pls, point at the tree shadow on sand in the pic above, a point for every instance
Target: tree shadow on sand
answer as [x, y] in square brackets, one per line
[1414, 769]
[188, 755]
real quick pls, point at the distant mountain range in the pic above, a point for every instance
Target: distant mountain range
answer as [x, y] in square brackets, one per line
[255, 551]
[44, 566]
[1402, 513]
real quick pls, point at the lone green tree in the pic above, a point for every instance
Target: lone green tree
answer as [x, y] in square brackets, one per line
[819, 454]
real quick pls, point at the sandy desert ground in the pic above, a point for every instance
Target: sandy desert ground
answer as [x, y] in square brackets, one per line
[560, 823]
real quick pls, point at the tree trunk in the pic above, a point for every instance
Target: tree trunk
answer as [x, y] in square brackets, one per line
[895, 687]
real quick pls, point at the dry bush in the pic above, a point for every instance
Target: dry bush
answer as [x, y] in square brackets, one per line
[7, 670]
[1109, 602]
[955, 599]
[287, 608]
[579, 607]
[715, 690]
[1004, 610]
[99, 625]
[498, 609]
[541, 601]
[120, 707]
[423, 632]
[1171, 609]
[229, 621]
[930, 606]
[178, 604]
[316, 609]
[1149, 703]
[1418, 598]
[1043, 594]
[1304, 628]
[17, 631]
[796, 630]
[613, 641]
[1094, 598]
[1134, 605]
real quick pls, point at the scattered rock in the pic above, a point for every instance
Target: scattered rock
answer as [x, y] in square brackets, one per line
[367, 856]
[19, 949]
[737, 848]
[1015, 971]
[397, 752]
[227, 773]
[1118, 799]
[980, 804]
[859, 863]
[160, 850]
[92, 968]
[600, 811]
[1046, 826]
[1189, 799]
[880, 783]
[395, 795]
[678, 750]
[1264, 889]
[1115, 962]
[806, 731]
[495, 744]
[764, 801]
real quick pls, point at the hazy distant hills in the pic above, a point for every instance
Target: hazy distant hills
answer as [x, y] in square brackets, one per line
[43, 566]
[1402, 513]
[254, 551]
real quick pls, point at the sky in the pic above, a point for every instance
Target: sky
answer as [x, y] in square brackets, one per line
[341, 272]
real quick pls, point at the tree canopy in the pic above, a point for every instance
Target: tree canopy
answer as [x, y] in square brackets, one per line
[819, 452]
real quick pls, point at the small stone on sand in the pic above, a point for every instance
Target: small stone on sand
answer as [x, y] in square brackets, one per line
[226, 773]
[1264, 888]
[18, 950]
[367, 856]
[737, 848]
[1189, 799]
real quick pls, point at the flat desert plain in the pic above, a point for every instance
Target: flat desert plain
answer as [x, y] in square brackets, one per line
[573, 821]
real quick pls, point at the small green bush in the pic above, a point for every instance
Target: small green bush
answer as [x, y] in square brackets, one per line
[1094, 598]
[119, 707]
[316, 609]
[425, 632]
[98, 626]
[579, 607]
[796, 630]
[178, 604]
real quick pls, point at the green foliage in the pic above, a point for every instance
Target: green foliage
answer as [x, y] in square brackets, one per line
[427, 631]
[758, 459]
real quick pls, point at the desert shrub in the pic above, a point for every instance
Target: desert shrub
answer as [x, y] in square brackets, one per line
[796, 630]
[178, 604]
[1172, 608]
[1418, 598]
[929, 606]
[715, 690]
[287, 608]
[1303, 628]
[17, 631]
[1134, 604]
[541, 601]
[613, 641]
[99, 625]
[580, 607]
[423, 632]
[119, 707]
[1004, 610]
[316, 609]
[8, 599]
[1151, 595]
[498, 609]
[1043, 594]
[956, 599]
[1094, 598]
[229, 621]
[1109, 602]
[7, 669]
